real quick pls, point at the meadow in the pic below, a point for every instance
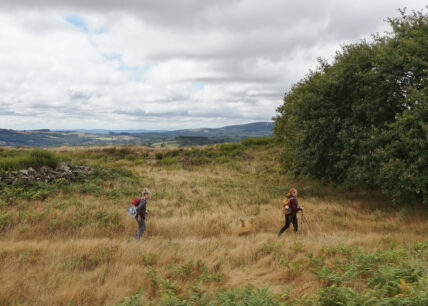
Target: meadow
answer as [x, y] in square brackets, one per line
[211, 235]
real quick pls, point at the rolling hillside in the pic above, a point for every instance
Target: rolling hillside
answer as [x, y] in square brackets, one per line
[211, 235]
[48, 138]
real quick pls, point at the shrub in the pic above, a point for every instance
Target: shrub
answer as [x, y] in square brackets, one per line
[35, 159]
[271, 248]
[339, 296]
[159, 155]
[5, 219]
[246, 296]
[388, 277]
[29, 191]
[172, 153]
[259, 141]
[135, 300]
[167, 160]
[124, 151]
[111, 150]
[230, 147]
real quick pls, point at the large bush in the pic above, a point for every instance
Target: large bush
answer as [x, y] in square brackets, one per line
[362, 120]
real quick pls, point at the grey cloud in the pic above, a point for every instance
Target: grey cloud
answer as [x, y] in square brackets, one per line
[164, 11]
[222, 111]
[12, 113]
[245, 52]
[188, 115]
[80, 96]
[63, 111]
[142, 113]
[235, 16]
[234, 75]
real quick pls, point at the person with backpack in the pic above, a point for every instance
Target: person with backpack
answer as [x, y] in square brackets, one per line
[141, 208]
[290, 209]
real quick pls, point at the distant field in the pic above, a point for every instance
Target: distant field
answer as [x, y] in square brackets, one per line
[48, 138]
[211, 233]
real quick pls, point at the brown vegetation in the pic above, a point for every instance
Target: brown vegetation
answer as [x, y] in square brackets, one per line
[216, 222]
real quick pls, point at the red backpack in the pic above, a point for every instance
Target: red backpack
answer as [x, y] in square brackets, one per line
[136, 201]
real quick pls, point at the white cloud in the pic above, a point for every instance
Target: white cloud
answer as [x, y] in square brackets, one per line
[166, 64]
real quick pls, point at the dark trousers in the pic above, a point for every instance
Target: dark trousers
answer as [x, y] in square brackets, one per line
[141, 228]
[288, 219]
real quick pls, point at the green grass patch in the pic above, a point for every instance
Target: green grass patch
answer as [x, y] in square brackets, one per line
[36, 159]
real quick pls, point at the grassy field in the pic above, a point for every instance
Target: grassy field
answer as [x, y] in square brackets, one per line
[211, 235]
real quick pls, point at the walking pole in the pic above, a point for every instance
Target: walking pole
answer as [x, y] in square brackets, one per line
[301, 224]
[306, 221]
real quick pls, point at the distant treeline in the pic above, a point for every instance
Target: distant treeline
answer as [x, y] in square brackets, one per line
[363, 120]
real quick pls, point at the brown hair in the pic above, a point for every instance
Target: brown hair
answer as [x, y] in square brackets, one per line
[292, 190]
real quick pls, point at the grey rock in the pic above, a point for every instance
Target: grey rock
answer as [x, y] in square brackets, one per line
[66, 171]
[31, 171]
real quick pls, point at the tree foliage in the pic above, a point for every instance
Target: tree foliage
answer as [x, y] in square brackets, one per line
[362, 120]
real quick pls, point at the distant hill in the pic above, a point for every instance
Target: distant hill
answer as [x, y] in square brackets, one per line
[81, 137]
[252, 129]
[248, 130]
[103, 131]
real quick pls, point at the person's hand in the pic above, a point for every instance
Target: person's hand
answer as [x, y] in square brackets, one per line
[302, 208]
[139, 218]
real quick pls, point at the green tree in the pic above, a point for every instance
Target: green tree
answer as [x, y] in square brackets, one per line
[362, 119]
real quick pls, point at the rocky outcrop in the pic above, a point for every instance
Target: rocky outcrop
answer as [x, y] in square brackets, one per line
[64, 172]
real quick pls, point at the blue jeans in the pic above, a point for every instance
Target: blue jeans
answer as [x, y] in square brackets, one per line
[141, 228]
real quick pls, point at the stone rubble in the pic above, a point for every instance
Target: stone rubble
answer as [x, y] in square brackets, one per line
[64, 172]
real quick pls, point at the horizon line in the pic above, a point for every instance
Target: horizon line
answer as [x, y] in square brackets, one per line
[131, 129]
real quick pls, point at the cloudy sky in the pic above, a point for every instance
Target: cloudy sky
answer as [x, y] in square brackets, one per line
[162, 64]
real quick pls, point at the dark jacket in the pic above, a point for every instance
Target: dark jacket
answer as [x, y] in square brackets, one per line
[294, 205]
[142, 208]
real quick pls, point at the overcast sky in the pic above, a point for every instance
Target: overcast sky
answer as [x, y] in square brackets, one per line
[163, 64]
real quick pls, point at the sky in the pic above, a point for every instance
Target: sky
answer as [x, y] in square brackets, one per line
[161, 64]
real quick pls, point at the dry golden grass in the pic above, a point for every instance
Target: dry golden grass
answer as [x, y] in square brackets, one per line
[224, 216]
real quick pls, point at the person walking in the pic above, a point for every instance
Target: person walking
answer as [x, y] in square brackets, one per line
[141, 207]
[290, 209]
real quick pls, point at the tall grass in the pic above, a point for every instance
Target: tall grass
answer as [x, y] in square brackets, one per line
[36, 159]
[211, 236]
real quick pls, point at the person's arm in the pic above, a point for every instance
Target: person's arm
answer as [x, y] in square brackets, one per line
[145, 209]
[141, 205]
[294, 205]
